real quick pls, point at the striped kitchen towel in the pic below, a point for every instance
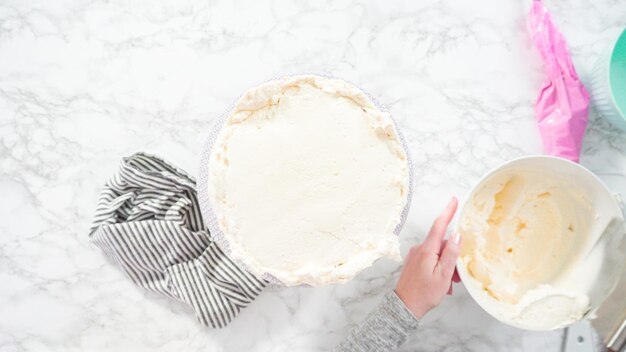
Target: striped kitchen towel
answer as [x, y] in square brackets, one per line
[148, 221]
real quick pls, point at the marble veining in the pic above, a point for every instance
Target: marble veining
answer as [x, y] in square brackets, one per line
[83, 83]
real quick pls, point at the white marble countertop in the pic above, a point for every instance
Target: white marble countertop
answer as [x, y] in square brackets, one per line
[83, 83]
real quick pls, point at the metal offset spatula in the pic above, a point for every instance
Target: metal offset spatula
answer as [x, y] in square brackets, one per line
[608, 330]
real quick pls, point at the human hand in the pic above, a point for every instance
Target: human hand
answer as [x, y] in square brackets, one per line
[429, 268]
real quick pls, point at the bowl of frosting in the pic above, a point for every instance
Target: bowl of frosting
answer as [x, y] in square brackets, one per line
[533, 255]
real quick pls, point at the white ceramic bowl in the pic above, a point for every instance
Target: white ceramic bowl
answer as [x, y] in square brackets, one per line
[601, 273]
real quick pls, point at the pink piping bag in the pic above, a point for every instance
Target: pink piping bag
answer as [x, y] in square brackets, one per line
[562, 106]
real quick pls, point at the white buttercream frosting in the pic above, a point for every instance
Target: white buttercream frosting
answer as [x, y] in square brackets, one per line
[524, 236]
[308, 179]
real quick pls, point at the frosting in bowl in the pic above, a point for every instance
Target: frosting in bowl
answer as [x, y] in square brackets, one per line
[525, 233]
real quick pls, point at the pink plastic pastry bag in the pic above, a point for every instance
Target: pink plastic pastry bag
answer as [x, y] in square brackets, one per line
[562, 106]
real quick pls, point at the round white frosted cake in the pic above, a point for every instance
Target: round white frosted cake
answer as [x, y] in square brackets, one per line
[308, 180]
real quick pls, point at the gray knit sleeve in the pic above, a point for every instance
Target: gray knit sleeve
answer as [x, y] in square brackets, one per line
[385, 329]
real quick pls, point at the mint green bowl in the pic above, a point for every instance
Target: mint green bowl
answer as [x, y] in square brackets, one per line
[608, 83]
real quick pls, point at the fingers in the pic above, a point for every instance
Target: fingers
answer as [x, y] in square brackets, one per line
[443, 245]
[433, 241]
[449, 255]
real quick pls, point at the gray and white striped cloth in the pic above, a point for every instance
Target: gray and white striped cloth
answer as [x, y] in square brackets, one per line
[148, 222]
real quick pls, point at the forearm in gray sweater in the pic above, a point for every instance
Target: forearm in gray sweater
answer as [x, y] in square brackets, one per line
[385, 329]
